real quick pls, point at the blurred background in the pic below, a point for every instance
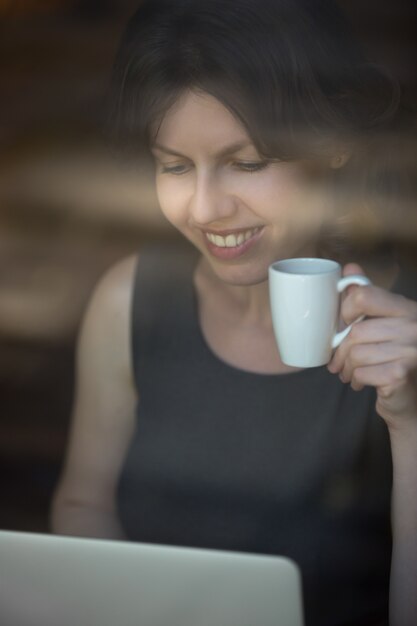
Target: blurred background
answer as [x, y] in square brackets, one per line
[67, 213]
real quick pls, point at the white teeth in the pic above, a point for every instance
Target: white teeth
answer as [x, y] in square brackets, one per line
[231, 241]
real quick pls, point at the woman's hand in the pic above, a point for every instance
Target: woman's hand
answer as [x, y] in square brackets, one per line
[381, 350]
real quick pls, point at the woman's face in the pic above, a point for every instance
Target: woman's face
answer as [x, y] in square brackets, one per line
[241, 211]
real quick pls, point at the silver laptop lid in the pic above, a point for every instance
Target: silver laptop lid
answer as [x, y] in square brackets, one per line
[50, 580]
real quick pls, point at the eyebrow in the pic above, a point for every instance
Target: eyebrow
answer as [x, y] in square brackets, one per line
[230, 149]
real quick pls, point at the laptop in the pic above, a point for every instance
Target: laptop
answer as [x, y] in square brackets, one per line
[48, 580]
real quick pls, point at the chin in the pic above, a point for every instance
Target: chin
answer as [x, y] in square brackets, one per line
[241, 277]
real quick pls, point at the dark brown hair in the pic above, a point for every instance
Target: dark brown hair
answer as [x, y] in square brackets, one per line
[289, 70]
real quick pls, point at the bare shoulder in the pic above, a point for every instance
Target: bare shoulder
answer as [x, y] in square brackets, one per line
[105, 332]
[118, 279]
[112, 295]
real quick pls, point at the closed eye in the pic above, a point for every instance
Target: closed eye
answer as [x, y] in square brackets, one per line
[177, 170]
[251, 166]
[243, 166]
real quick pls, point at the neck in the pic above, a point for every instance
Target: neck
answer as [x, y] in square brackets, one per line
[248, 303]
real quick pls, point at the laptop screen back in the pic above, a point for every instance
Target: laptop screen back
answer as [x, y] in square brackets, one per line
[50, 580]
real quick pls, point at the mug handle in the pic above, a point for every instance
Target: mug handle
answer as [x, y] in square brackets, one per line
[343, 283]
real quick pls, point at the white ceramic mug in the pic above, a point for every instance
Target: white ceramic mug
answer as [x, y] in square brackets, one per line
[305, 307]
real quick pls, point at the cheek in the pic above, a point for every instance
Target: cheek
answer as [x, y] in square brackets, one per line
[172, 199]
[290, 197]
[271, 195]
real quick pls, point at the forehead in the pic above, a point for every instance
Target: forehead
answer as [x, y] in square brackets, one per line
[198, 119]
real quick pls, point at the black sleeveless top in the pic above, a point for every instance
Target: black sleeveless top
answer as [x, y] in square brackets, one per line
[294, 464]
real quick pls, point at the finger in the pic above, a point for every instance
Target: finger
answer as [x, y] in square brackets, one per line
[374, 301]
[348, 270]
[377, 330]
[393, 375]
[362, 355]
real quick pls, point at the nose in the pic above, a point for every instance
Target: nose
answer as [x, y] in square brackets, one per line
[211, 201]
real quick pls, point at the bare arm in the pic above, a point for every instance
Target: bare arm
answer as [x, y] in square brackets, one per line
[382, 351]
[403, 588]
[103, 413]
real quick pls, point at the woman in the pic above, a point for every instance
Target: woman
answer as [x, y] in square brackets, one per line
[188, 428]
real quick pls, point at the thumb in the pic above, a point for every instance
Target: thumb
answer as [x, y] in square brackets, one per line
[348, 270]
[353, 268]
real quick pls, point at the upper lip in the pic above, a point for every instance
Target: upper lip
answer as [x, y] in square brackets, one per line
[230, 231]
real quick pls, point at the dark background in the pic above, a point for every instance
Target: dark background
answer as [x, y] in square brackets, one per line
[66, 214]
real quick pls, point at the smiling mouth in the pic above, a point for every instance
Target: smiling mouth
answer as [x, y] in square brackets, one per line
[232, 240]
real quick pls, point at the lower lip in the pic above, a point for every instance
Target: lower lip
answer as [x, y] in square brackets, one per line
[235, 252]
